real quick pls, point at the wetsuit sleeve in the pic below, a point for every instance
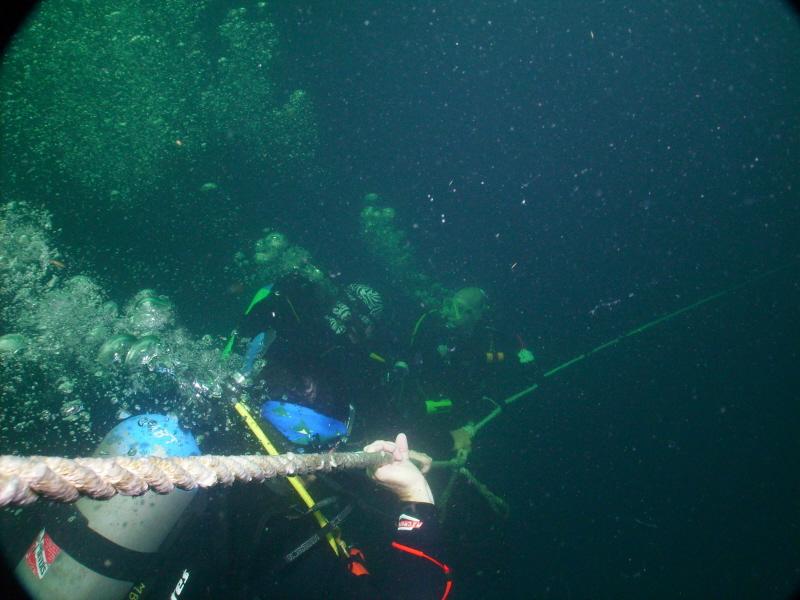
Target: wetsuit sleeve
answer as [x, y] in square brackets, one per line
[418, 570]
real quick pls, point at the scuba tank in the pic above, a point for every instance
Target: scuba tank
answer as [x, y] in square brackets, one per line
[98, 549]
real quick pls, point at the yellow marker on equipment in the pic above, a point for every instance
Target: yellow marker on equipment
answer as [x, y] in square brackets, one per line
[377, 357]
[336, 545]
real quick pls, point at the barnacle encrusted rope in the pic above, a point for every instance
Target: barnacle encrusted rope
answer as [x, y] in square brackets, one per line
[24, 479]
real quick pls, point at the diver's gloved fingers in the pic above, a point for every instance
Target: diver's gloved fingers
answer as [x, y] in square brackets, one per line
[380, 446]
[401, 451]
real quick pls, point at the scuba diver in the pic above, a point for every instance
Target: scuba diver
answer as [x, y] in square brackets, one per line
[459, 359]
[215, 543]
[415, 570]
[456, 356]
[325, 345]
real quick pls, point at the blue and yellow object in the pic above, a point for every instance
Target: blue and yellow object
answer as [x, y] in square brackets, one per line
[300, 425]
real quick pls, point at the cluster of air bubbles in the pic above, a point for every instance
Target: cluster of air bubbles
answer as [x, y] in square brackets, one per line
[134, 119]
[27, 262]
[71, 363]
[389, 245]
[171, 85]
[273, 258]
[149, 313]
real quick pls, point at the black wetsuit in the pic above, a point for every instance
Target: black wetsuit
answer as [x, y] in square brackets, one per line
[236, 547]
[400, 560]
[417, 569]
[444, 363]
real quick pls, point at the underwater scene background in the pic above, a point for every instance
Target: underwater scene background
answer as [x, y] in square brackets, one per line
[591, 166]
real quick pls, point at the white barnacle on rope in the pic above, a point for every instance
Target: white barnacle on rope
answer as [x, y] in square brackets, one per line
[289, 463]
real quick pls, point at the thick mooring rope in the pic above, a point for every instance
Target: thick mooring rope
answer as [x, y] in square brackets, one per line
[24, 479]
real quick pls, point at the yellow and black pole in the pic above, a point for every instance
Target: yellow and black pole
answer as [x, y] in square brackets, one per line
[337, 545]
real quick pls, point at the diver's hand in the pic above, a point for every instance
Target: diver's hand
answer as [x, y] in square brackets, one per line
[401, 475]
[422, 460]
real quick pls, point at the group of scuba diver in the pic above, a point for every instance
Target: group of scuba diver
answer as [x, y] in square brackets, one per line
[326, 356]
[330, 349]
[314, 366]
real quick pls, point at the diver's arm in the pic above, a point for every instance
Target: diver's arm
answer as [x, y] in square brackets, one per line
[417, 569]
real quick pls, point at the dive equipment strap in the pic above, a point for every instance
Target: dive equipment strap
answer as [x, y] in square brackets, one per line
[71, 532]
[316, 536]
[418, 324]
[448, 572]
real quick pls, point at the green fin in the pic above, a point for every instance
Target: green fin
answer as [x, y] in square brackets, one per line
[229, 346]
[260, 295]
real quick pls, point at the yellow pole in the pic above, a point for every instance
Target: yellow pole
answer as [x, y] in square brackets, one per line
[294, 481]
